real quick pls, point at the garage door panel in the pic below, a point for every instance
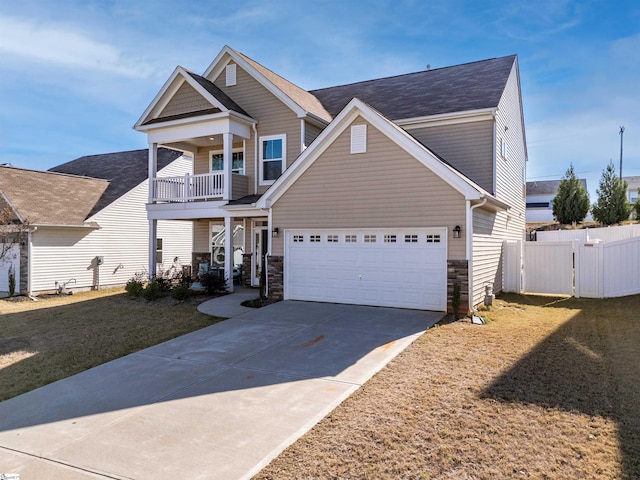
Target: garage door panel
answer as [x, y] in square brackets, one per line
[385, 273]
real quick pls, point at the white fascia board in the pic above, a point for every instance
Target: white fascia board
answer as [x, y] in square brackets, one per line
[158, 97]
[218, 65]
[88, 226]
[200, 119]
[202, 127]
[316, 120]
[354, 109]
[448, 118]
[243, 210]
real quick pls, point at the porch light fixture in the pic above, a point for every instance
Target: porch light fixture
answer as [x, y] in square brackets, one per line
[456, 231]
[275, 232]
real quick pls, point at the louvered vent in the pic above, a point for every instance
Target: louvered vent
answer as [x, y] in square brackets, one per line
[358, 139]
[231, 74]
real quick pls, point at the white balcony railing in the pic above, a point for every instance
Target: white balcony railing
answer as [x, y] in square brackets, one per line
[188, 187]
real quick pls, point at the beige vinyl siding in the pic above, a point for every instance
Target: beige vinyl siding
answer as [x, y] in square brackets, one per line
[311, 132]
[185, 100]
[201, 237]
[510, 180]
[466, 146]
[384, 187]
[202, 162]
[59, 254]
[273, 117]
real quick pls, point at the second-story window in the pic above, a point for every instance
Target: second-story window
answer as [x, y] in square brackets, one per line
[237, 159]
[272, 158]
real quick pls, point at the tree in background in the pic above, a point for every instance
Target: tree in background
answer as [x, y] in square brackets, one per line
[636, 207]
[612, 206]
[11, 231]
[571, 204]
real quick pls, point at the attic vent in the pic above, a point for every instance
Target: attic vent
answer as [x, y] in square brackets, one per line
[231, 74]
[358, 139]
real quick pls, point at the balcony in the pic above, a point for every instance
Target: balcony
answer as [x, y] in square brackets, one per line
[200, 187]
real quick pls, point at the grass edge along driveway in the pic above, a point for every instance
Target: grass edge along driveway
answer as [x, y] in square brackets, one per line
[56, 337]
[548, 389]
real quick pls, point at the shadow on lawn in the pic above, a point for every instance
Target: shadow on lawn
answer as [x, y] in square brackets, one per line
[591, 365]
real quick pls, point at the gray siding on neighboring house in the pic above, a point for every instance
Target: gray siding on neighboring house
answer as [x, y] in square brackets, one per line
[510, 181]
[384, 187]
[466, 146]
[185, 100]
[60, 254]
[273, 117]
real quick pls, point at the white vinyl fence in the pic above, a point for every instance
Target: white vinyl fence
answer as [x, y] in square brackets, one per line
[591, 270]
[586, 235]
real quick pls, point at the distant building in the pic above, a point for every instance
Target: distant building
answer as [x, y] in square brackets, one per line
[540, 197]
[633, 183]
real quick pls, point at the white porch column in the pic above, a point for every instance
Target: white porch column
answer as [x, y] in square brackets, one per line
[153, 237]
[228, 252]
[227, 153]
[153, 170]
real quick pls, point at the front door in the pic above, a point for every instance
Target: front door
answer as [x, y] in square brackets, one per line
[260, 246]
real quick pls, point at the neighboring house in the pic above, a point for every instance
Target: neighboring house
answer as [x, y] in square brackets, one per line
[633, 184]
[87, 217]
[540, 195]
[385, 192]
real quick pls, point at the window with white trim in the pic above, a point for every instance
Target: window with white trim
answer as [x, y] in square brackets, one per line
[237, 161]
[504, 150]
[273, 158]
[158, 250]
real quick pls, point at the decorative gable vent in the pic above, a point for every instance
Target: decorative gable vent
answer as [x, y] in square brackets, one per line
[230, 72]
[358, 139]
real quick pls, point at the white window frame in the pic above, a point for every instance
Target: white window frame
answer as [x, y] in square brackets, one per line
[235, 170]
[265, 138]
[159, 251]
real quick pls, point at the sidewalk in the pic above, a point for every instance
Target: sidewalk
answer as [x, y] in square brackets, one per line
[228, 306]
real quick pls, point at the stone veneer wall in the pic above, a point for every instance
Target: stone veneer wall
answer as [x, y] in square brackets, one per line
[197, 258]
[246, 269]
[275, 277]
[458, 272]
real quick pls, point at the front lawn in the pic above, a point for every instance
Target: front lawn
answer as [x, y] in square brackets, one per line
[56, 337]
[548, 389]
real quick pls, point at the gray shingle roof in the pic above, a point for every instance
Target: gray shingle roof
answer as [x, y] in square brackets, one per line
[219, 94]
[470, 86]
[45, 198]
[548, 187]
[123, 170]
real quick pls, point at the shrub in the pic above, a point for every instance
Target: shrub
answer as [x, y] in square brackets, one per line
[212, 282]
[134, 288]
[181, 292]
[12, 281]
[154, 290]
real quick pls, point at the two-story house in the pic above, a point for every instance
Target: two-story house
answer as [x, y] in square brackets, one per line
[388, 192]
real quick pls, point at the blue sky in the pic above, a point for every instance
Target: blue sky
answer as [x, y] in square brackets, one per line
[76, 75]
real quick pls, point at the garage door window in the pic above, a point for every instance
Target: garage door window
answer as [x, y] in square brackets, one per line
[369, 239]
[298, 238]
[332, 238]
[433, 238]
[350, 238]
[411, 239]
[390, 239]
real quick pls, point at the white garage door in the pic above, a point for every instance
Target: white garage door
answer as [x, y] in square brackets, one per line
[404, 268]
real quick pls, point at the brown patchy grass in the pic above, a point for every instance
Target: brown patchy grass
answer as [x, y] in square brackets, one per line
[55, 337]
[548, 389]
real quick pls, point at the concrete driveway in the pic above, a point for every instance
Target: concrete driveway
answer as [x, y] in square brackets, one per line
[217, 403]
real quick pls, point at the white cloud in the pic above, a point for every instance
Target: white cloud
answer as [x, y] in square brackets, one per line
[62, 46]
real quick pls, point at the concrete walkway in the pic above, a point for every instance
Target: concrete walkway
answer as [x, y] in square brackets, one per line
[218, 403]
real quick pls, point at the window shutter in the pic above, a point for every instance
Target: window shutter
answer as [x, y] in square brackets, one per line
[358, 139]
[231, 74]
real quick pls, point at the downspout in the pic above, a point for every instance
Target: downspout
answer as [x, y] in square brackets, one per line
[470, 247]
[255, 157]
[29, 233]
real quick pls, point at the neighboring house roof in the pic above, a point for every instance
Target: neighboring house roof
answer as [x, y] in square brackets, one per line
[123, 170]
[46, 198]
[459, 88]
[548, 187]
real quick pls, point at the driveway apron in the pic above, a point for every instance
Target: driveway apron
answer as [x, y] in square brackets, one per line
[218, 403]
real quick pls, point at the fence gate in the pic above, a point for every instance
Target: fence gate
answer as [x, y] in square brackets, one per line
[548, 268]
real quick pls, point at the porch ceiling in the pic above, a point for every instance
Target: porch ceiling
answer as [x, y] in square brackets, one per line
[198, 132]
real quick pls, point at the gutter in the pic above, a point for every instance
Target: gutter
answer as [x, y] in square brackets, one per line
[471, 208]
